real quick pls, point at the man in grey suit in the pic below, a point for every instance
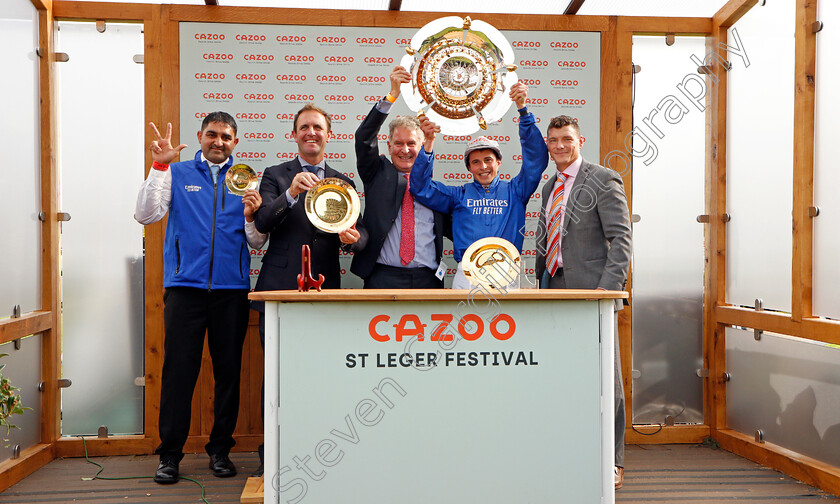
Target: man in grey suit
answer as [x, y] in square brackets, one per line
[584, 237]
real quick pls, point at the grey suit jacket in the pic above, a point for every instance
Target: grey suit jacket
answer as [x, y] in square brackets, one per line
[597, 239]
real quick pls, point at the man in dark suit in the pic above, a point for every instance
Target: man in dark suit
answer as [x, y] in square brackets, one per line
[585, 239]
[282, 216]
[401, 240]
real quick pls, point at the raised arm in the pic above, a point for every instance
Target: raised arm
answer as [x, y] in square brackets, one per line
[429, 192]
[534, 150]
[367, 141]
[156, 192]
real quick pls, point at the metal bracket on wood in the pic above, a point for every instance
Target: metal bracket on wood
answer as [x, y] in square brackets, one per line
[704, 219]
[670, 38]
[16, 452]
[759, 306]
[39, 52]
[726, 217]
[702, 373]
[100, 25]
[64, 383]
[635, 218]
[16, 311]
[61, 57]
[16, 343]
[138, 58]
[816, 26]
[813, 211]
[637, 69]
[102, 432]
[726, 376]
[636, 374]
[140, 381]
[759, 436]
[42, 386]
[63, 216]
[669, 421]
[42, 216]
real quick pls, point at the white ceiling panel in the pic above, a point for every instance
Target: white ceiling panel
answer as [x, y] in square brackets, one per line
[669, 8]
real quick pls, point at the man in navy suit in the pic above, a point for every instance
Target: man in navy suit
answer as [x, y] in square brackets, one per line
[281, 215]
[401, 240]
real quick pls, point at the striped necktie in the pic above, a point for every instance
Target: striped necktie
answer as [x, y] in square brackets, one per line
[554, 225]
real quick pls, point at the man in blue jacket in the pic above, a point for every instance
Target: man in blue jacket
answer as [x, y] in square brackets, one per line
[487, 206]
[206, 276]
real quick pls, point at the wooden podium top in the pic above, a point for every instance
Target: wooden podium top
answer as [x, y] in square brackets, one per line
[289, 296]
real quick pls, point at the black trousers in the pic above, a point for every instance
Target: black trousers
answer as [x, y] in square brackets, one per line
[391, 277]
[187, 314]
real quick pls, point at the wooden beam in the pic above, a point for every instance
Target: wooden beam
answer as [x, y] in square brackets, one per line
[806, 469]
[730, 13]
[100, 447]
[616, 124]
[714, 347]
[42, 5]
[811, 328]
[666, 434]
[50, 231]
[573, 7]
[803, 160]
[159, 42]
[108, 11]
[30, 323]
[646, 25]
[31, 459]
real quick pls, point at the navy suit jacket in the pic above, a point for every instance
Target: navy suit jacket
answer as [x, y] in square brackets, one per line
[289, 230]
[384, 190]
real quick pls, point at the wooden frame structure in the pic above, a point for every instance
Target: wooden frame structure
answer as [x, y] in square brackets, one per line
[162, 104]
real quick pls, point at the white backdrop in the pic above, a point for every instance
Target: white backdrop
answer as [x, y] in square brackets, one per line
[263, 74]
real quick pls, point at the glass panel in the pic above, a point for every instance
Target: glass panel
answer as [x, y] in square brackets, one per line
[23, 368]
[687, 8]
[668, 195]
[20, 192]
[826, 175]
[788, 388]
[759, 146]
[101, 132]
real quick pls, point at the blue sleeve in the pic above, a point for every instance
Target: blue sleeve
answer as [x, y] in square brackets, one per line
[432, 194]
[534, 158]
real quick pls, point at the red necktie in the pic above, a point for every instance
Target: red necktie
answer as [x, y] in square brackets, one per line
[407, 227]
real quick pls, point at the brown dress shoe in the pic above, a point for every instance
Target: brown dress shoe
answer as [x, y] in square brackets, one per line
[619, 477]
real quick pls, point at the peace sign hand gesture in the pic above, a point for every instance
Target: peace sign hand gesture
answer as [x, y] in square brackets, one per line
[162, 150]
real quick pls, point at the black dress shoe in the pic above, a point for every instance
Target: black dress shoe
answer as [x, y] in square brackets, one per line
[167, 472]
[221, 466]
[259, 472]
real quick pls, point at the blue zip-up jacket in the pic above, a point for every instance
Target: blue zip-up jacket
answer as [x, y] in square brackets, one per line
[477, 212]
[205, 245]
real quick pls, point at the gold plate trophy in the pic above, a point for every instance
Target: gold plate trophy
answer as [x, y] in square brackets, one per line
[332, 205]
[460, 73]
[240, 178]
[492, 262]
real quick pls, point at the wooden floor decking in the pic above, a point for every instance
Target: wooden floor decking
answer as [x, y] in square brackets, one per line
[654, 473]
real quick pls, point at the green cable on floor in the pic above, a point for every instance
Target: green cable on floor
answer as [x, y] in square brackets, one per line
[102, 468]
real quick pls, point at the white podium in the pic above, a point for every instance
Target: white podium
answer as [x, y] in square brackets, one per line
[443, 396]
